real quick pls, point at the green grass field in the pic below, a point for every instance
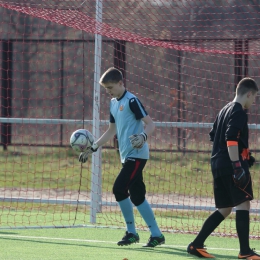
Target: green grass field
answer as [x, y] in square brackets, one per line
[52, 168]
[46, 170]
[58, 168]
[98, 244]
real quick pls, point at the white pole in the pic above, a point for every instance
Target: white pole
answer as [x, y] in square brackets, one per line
[96, 157]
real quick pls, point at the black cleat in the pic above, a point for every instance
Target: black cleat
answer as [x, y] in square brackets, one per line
[250, 256]
[128, 239]
[155, 241]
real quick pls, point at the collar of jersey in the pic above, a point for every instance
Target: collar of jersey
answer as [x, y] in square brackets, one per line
[121, 96]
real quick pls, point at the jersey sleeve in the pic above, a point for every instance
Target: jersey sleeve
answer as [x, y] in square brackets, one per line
[112, 119]
[137, 108]
[212, 134]
[235, 125]
[212, 131]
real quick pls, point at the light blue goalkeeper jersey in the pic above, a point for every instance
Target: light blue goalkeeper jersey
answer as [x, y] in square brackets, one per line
[127, 112]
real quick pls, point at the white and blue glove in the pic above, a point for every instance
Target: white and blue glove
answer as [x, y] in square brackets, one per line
[83, 157]
[138, 141]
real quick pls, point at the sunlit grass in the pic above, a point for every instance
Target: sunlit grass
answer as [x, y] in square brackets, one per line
[58, 168]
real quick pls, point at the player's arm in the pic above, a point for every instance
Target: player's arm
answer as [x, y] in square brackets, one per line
[239, 175]
[111, 131]
[233, 150]
[109, 134]
[149, 125]
[235, 125]
[233, 154]
[83, 157]
[138, 139]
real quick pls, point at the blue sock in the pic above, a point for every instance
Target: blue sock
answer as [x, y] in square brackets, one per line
[126, 207]
[148, 216]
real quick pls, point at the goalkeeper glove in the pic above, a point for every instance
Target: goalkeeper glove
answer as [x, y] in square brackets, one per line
[83, 157]
[138, 141]
[251, 160]
[239, 175]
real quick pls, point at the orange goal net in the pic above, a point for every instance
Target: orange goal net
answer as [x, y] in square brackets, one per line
[182, 59]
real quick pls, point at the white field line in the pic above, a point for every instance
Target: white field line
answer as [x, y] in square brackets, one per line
[100, 241]
[58, 238]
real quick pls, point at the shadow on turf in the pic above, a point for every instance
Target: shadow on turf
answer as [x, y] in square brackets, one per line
[217, 256]
[157, 250]
[8, 232]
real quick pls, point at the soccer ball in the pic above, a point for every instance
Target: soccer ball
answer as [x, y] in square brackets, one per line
[81, 140]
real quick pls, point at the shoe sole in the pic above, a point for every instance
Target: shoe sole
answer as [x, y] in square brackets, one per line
[202, 253]
[127, 244]
[161, 243]
[252, 257]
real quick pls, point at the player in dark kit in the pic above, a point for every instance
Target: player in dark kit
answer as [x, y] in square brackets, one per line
[230, 162]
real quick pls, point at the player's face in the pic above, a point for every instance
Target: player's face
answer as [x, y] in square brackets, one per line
[115, 90]
[250, 99]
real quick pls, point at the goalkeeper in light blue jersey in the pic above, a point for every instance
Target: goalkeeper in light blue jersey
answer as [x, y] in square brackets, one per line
[132, 125]
[128, 114]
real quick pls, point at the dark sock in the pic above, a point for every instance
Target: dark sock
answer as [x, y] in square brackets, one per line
[242, 225]
[208, 227]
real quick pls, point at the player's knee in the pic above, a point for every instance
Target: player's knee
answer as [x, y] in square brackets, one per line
[244, 206]
[120, 197]
[119, 194]
[225, 211]
[137, 200]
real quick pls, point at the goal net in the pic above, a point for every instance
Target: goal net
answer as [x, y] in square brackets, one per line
[182, 59]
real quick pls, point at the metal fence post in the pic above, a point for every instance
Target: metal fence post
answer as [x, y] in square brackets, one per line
[6, 91]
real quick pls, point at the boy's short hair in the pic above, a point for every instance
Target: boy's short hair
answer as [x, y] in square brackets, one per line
[112, 75]
[246, 85]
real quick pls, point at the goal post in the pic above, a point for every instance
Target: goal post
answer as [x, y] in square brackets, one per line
[180, 59]
[96, 191]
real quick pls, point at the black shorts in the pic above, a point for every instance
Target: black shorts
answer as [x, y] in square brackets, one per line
[228, 195]
[129, 181]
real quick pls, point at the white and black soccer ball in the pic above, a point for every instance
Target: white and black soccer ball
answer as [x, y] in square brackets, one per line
[81, 140]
